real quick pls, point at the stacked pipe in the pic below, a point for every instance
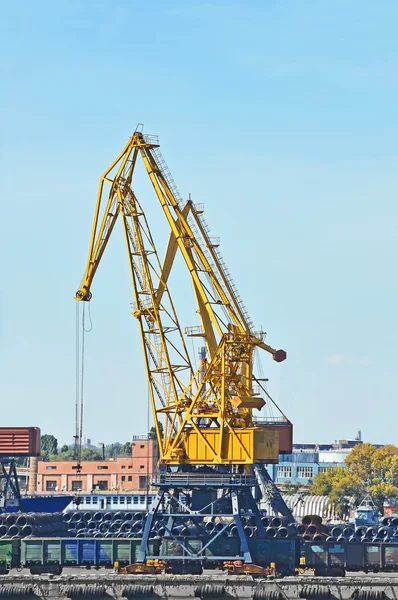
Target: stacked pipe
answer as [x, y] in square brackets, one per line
[311, 528]
[130, 525]
[103, 524]
[20, 525]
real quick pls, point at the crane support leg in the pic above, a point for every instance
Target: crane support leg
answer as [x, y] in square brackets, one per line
[252, 505]
[148, 525]
[270, 492]
[9, 483]
[191, 505]
[241, 530]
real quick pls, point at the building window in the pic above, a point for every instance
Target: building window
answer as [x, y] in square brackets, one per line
[142, 466]
[305, 472]
[123, 477]
[51, 485]
[142, 499]
[130, 478]
[122, 500]
[142, 481]
[123, 466]
[115, 500]
[324, 469]
[50, 467]
[135, 500]
[284, 472]
[87, 500]
[142, 446]
[77, 485]
[102, 485]
[102, 467]
[128, 499]
[130, 467]
[95, 500]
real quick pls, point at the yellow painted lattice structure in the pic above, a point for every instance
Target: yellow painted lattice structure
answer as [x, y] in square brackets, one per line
[204, 414]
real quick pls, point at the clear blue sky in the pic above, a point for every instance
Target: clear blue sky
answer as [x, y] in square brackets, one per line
[281, 116]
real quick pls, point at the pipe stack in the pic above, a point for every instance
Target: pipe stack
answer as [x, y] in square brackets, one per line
[311, 528]
[130, 525]
[20, 525]
[127, 524]
[103, 524]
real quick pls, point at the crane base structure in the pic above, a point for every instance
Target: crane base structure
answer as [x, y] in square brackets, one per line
[209, 506]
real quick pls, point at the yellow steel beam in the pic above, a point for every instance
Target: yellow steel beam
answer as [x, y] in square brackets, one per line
[168, 201]
[210, 248]
[168, 261]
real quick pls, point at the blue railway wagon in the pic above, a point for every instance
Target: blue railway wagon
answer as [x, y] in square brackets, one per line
[72, 552]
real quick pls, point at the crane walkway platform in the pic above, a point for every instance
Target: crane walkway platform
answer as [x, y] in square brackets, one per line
[204, 480]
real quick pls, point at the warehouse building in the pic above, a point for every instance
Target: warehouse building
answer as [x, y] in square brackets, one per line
[119, 474]
[308, 460]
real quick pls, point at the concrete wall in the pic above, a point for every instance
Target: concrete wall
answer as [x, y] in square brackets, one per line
[106, 587]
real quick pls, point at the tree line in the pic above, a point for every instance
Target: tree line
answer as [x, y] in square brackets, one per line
[367, 470]
[51, 451]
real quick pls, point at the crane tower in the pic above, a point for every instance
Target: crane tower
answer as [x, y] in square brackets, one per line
[204, 414]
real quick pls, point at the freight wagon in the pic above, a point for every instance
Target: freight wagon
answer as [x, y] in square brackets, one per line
[51, 555]
[335, 558]
[39, 554]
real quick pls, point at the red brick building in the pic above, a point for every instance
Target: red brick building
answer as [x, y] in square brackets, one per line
[118, 475]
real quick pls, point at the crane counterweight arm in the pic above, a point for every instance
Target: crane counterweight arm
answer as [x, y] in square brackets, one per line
[277, 355]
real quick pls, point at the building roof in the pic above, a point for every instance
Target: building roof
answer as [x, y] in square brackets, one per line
[306, 505]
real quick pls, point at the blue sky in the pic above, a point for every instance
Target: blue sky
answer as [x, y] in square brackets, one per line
[281, 117]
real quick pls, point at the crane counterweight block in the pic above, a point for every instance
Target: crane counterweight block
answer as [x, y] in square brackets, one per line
[83, 295]
[279, 356]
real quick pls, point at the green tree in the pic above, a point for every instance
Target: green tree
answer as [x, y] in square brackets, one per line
[113, 450]
[152, 432]
[367, 469]
[67, 453]
[48, 445]
[91, 454]
[126, 449]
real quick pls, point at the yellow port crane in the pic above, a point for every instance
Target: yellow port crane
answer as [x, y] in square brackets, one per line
[202, 415]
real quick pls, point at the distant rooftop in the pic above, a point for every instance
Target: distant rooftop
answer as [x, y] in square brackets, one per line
[314, 447]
